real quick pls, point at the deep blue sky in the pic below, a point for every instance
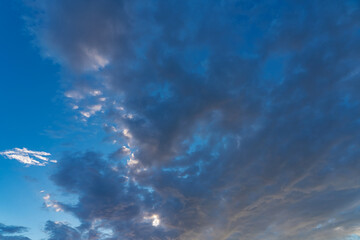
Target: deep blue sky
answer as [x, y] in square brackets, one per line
[28, 99]
[29, 83]
[178, 120]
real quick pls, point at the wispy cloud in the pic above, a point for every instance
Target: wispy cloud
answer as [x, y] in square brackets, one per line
[49, 203]
[91, 110]
[28, 157]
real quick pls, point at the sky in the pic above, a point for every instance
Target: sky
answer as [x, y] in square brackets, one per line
[180, 120]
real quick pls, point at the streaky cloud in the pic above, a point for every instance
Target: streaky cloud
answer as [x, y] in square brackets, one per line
[7, 231]
[28, 157]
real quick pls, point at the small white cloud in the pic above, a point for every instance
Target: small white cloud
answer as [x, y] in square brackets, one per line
[127, 133]
[74, 94]
[85, 114]
[28, 157]
[91, 110]
[95, 108]
[132, 161]
[51, 203]
[125, 150]
[155, 219]
[95, 92]
[114, 129]
[128, 116]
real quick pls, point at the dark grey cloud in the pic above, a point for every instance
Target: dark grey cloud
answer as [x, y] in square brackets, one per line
[11, 229]
[239, 119]
[6, 232]
[109, 202]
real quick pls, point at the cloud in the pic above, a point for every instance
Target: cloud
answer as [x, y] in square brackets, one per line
[91, 110]
[49, 203]
[244, 117]
[155, 219]
[108, 199]
[74, 94]
[11, 229]
[59, 230]
[7, 229]
[28, 157]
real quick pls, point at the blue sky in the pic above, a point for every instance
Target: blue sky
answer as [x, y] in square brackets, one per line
[179, 120]
[30, 83]
[29, 92]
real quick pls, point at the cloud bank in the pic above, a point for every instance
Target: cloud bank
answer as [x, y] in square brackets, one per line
[240, 119]
[28, 157]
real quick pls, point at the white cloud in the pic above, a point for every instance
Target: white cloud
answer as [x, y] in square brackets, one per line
[91, 110]
[95, 92]
[74, 94]
[95, 108]
[28, 157]
[125, 150]
[85, 114]
[127, 133]
[155, 219]
[128, 116]
[132, 161]
[51, 203]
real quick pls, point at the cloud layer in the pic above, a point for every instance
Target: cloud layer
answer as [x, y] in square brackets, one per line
[234, 119]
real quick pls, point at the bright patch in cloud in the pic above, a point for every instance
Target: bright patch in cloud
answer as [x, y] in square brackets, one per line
[155, 219]
[127, 133]
[96, 61]
[132, 161]
[126, 150]
[28, 157]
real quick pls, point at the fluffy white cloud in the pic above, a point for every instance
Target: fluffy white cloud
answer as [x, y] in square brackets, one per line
[28, 157]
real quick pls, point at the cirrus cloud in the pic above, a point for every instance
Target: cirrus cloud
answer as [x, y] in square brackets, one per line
[28, 157]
